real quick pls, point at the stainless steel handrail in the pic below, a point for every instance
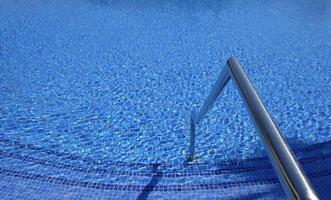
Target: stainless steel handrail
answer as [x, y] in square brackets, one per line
[293, 180]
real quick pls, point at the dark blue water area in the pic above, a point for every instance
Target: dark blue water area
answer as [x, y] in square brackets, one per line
[116, 81]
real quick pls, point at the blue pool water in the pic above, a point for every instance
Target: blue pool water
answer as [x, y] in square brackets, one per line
[97, 91]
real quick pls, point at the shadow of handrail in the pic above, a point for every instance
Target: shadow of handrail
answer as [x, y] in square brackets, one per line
[152, 183]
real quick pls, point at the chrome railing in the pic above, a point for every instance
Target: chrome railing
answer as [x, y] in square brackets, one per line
[293, 180]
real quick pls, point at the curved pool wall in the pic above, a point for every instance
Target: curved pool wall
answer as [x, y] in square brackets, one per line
[96, 97]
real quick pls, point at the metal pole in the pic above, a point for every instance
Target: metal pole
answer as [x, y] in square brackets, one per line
[290, 174]
[221, 82]
[294, 182]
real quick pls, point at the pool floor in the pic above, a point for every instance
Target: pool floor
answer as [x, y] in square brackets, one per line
[96, 96]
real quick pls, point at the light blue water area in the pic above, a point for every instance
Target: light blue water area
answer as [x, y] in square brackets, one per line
[117, 80]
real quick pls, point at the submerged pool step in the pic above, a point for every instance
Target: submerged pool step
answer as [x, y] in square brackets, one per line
[133, 185]
[216, 169]
[227, 179]
[153, 187]
[26, 162]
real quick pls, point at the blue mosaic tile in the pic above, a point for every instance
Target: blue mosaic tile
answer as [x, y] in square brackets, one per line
[96, 95]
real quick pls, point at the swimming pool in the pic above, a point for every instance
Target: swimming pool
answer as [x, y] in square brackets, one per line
[96, 97]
